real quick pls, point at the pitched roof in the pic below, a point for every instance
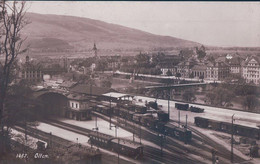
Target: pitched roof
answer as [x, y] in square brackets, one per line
[199, 67]
[252, 57]
[235, 61]
[93, 90]
[77, 97]
[68, 84]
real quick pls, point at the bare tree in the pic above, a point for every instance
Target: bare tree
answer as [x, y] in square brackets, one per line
[11, 23]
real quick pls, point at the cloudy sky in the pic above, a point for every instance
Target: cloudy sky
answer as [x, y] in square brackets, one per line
[210, 23]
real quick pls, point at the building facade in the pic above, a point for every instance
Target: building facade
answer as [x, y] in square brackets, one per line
[199, 71]
[31, 72]
[217, 71]
[78, 107]
[184, 68]
[251, 70]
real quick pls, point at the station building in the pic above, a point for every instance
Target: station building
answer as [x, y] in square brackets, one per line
[78, 107]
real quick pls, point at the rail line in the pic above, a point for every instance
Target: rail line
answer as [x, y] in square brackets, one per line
[221, 151]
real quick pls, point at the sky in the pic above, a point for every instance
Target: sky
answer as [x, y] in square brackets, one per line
[210, 23]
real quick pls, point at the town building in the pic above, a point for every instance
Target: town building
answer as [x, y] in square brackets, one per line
[217, 71]
[235, 64]
[199, 71]
[79, 107]
[67, 85]
[184, 68]
[165, 67]
[251, 70]
[31, 72]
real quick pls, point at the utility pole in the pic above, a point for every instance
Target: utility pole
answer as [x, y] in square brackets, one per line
[169, 96]
[186, 126]
[50, 139]
[118, 152]
[161, 138]
[179, 115]
[232, 139]
[134, 132]
[96, 123]
[140, 134]
[213, 152]
[117, 143]
[110, 114]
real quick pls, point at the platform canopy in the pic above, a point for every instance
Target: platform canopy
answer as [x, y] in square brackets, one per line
[119, 96]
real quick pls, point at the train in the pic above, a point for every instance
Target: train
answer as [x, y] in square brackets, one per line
[186, 107]
[156, 120]
[241, 130]
[119, 145]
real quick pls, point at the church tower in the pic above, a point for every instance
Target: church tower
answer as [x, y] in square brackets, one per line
[95, 50]
[27, 59]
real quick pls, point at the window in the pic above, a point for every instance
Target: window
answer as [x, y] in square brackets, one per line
[72, 105]
[76, 105]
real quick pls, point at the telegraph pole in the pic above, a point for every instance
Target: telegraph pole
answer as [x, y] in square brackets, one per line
[232, 139]
[96, 122]
[134, 132]
[169, 96]
[179, 115]
[186, 126]
[161, 138]
[110, 114]
[140, 135]
[118, 152]
[117, 143]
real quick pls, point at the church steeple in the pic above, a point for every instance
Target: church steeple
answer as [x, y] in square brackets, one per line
[95, 50]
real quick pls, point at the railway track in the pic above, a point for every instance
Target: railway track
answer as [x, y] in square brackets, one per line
[149, 151]
[221, 151]
[60, 142]
[177, 149]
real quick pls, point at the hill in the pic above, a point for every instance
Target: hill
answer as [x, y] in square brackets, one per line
[58, 33]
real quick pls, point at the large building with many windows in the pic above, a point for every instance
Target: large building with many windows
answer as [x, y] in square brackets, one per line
[184, 69]
[217, 71]
[251, 70]
[31, 72]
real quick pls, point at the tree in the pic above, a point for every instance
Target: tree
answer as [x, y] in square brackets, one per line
[11, 23]
[201, 52]
[142, 60]
[169, 73]
[220, 96]
[106, 83]
[101, 65]
[20, 107]
[157, 58]
[189, 96]
[250, 102]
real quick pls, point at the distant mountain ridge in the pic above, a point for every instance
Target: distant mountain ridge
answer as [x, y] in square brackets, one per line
[57, 32]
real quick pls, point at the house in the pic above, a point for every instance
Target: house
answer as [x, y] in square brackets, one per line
[114, 62]
[217, 71]
[167, 66]
[251, 70]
